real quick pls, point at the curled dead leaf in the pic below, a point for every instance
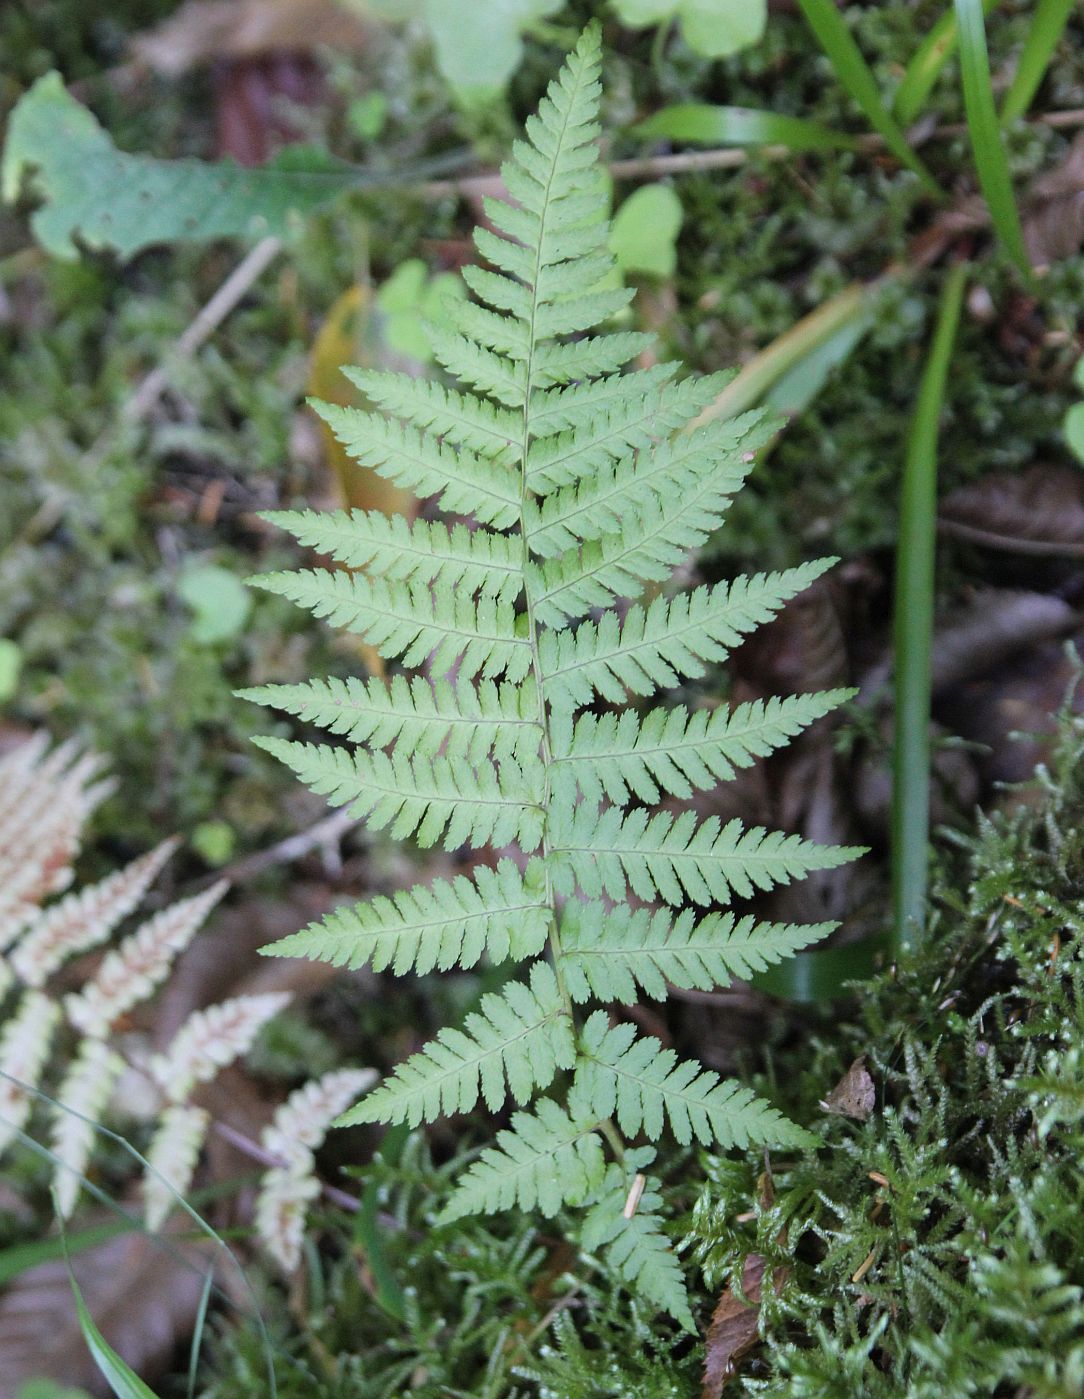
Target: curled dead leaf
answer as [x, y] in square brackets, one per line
[734, 1328]
[1038, 513]
[855, 1095]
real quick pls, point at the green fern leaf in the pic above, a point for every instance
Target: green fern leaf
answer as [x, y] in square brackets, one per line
[461, 481]
[465, 723]
[501, 913]
[424, 795]
[637, 1249]
[547, 1159]
[583, 482]
[676, 859]
[676, 750]
[405, 621]
[512, 1046]
[648, 1087]
[472, 561]
[671, 638]
[611, 958]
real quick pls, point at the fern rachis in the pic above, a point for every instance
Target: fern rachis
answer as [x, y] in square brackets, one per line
[584, 490]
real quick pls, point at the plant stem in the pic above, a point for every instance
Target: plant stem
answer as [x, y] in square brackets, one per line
[913, 632]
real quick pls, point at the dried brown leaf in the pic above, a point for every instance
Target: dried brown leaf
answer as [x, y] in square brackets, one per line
[733, 1328]
[1054, 221]
[855, 1095]
[207, 31]
[1038, 513]
[142, 1296]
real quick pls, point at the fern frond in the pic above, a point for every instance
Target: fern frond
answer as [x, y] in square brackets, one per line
[627, 484]
[670, 639]
[212, 1038]
[430, 554]
[171, 1157]
[80, 1101]
[647, 1086]
[423, 796]
[406, 621]
[610, 958]
[132, 971]
[547, 1158]
[575, 407]
[464, 723]
[637, 1249]
[502, 913]
[301, 1123]
[461, 481]
[282, 1204]
[675, 859]
[678, 751]
[25, 1043]
[513, 1045]
[84, 919]
[471, 363]
[458, 418]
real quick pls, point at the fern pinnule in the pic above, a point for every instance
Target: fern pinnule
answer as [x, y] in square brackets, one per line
[301, 1123]
[282, 1204]
[211, 1039]
[80, 1102]
[85, 918]
[132, 971]
[25, 1042]
[171, 1159]
[587, 488]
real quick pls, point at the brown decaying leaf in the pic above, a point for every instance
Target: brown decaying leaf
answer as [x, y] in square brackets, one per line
[143, 1299]
[1054, 221]
[855, 1095]
[733, 1328]
[208, 31]
[1038, 513]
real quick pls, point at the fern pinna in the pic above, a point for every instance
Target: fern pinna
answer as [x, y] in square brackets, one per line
[583, 493]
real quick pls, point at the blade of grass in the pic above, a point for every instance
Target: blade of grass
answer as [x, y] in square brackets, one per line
[913, 631]
[787, 352]
[853, 72]
[702, 124]
[117, 1373]
[1051, 17]
[991, 163]
[197, 1333]
[812, 978]
[926, 63]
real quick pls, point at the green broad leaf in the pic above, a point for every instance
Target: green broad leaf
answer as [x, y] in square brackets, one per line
[105, 198]
[713, 28]
[1074, 430]
[479, 47]
[219, 601]
[643, 239]
[121, 1378]
[410, 300]
[700, 123]
[11, 664]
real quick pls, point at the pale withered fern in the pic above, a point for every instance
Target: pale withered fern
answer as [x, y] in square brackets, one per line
[582, 492]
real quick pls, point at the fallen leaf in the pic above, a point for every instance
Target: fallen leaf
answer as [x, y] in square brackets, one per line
[1054, 217]
[142, 1295]
[855, 1095]
[733, 1329]
[206, 31]
[1040, 512]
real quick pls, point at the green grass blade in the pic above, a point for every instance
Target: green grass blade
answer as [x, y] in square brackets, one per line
[913, 631]
[197, 1333]
[1051, 17]
[985, 133]
[813, 978]
[854, 73]
[117, 1373]
[926, 63]
[702, 124]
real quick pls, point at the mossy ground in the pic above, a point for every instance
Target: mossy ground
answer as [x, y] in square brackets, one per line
[975, 1281]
